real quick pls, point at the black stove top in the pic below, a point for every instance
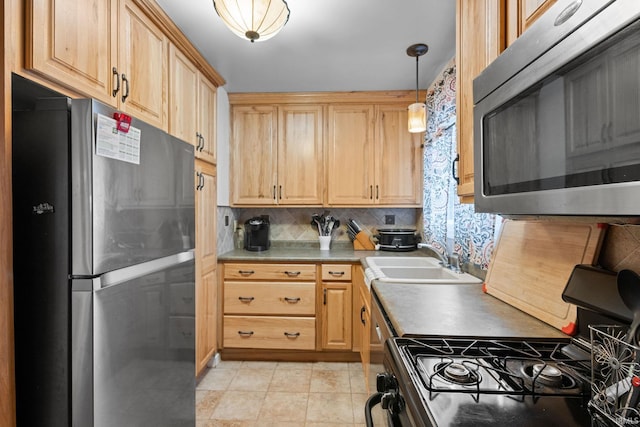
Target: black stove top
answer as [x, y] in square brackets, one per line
[465, 382]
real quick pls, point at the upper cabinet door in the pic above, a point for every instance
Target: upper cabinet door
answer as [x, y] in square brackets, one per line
[207, 111]
[350, 155]
[74, 41]
[398, 158]
[480, 39]
[253, 161]
[300, 170]
[143, 56]
[183, 103]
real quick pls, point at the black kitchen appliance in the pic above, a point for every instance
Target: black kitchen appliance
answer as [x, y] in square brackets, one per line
[398, 239]
[484, 381]
[256, 233]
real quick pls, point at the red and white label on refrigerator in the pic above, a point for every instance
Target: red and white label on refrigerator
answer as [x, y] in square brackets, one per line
[112, 143]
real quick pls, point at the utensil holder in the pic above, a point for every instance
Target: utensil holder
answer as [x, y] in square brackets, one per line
[614, 363]
[325, 242]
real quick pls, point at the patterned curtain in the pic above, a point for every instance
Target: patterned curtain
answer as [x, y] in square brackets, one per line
[447, 223]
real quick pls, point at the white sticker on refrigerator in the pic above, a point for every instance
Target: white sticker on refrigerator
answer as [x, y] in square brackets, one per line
[112, 143]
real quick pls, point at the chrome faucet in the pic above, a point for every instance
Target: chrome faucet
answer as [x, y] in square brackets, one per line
[451, 262]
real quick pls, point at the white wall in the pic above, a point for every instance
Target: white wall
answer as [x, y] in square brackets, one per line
[223, 123]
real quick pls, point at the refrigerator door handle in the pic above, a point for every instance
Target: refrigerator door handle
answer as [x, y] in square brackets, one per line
[126, 274]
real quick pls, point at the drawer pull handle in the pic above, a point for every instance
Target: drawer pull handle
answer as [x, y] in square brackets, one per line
[246, 299]
[336, 273]
[292, 273]
[245, 333]
[246, 272]
[292, 300]
[362, 310]
[292, 334]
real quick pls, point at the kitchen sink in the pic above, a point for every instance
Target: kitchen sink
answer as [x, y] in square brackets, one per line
[415, 270]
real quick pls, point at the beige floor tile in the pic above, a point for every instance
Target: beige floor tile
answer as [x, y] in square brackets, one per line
[239, 405]
[279, 406]
[330, 408]
[294, 365]
[259, 365]
[330, 382]
[216, 379]
[358, 401]
[229, 364]
[291, 380]
[268, 423]
[206, 402]
[331, 366]
[225, 423]
[250, 379]
[355, 367]
[358, 384]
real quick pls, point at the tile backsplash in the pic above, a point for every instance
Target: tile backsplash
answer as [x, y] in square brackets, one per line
[294, 224]
[621, 248]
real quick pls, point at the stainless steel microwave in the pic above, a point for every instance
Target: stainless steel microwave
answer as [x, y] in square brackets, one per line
[557, 115]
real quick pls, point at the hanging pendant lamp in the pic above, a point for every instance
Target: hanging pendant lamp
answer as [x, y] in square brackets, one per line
[254, 20]
[418, 110]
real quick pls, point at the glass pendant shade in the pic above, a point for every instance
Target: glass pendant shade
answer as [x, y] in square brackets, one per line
[255, 20]
[417, 117]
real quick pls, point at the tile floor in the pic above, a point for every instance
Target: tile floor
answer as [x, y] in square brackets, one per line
[281, 394]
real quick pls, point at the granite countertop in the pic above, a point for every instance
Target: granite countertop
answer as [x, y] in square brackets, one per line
[309, 252]
[456, 310]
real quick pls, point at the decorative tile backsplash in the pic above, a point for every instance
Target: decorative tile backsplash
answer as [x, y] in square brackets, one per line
[621, 248]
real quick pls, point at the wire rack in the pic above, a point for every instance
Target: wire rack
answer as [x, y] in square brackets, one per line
[614, 364]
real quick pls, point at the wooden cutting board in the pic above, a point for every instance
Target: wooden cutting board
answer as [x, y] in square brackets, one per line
[532, 262]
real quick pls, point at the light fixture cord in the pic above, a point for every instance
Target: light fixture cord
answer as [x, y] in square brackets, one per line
[417, 58]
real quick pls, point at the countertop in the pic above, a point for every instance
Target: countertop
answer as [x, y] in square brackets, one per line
[456, 310]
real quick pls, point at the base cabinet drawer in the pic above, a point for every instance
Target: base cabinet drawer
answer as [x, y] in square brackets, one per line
[287, 333]
[283, 299]
[270, 271]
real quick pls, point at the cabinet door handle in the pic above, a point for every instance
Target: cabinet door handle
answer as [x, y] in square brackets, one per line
[280, 192]
[198, 174]
[336, 273]
[125, 94]
[377, 192]
[324, 297]
[246, 299]
[117, 77]
[292, 300]
[292, 273]
[362, 310]
[198, 139]
[453, 168]
[201, 181]
[245, 333]
[246, 272]
[202, 145]
[274, 192]
[371, 192]
[292, 334]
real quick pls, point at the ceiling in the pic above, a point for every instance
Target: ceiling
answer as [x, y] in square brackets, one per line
[327, 45]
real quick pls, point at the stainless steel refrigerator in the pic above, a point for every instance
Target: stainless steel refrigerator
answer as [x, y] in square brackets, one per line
[103, 230]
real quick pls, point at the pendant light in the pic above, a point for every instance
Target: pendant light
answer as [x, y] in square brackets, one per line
[255, 20]
[417, 110]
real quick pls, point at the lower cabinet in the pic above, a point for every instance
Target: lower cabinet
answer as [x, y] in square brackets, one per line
[363, 321]
[269, 306]
[336, 307]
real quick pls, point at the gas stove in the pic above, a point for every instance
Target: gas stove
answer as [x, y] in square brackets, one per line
[496, 381]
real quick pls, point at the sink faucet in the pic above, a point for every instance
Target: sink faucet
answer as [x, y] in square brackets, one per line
[451, 262]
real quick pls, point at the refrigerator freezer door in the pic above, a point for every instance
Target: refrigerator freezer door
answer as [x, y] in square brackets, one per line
[141, 377]
[126, 213]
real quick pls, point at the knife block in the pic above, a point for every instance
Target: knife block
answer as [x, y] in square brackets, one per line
[362, 242]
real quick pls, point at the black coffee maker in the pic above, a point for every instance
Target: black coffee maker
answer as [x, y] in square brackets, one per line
[256, 233]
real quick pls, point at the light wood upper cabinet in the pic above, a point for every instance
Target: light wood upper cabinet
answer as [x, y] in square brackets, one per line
[183, 99]
[192, 105]
[480, 28]
[521, 14]
[350, 155]
[142, 59]
[253, 158]
[207, 110]
[300, 143]
[71, 41]
[278, 149]
[398, 158]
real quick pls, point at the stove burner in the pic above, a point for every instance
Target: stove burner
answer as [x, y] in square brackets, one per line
[457, 373]
[547, 374]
